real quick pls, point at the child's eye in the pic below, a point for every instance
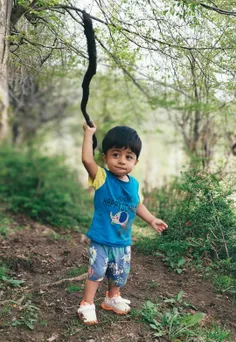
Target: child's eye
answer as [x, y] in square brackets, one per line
[129, 157]
[115, 155]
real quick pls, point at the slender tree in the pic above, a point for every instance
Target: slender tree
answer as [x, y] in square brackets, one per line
[5, 14]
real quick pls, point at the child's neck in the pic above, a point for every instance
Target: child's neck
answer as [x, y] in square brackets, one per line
[124, 178]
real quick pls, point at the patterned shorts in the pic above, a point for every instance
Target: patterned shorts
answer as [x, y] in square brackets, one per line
[112, 262]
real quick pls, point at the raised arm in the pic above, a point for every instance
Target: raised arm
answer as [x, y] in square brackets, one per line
[145, 215]
[87, 151]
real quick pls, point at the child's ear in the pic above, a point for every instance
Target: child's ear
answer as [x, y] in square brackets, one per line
[104, 158]
[136, 161]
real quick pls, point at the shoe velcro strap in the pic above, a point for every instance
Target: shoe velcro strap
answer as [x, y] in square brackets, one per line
[121, 300]
[87, 308]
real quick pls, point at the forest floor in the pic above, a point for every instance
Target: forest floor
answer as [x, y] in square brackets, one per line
[41, 310]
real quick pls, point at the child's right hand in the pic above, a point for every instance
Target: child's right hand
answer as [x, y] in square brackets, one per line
[86, 128]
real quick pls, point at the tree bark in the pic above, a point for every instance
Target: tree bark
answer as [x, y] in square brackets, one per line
[5, 14]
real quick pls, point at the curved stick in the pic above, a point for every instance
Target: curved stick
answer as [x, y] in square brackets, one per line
[91, 70]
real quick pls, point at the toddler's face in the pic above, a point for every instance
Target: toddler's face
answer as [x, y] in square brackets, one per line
[120, 161]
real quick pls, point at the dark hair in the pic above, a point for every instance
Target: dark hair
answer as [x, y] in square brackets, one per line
[122, 137]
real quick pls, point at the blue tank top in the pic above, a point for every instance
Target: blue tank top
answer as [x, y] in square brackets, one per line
[115, 205]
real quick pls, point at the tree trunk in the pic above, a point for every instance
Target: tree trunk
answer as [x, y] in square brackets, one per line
[5, 14]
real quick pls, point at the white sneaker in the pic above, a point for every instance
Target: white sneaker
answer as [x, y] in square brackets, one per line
[117, 304]
[87, 313]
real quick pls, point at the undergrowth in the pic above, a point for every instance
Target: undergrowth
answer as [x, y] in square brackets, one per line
[177, 320]
[42, 188]
[201, 218]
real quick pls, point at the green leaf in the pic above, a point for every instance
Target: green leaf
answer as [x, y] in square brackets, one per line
[192, 320]
[179, 270]
[153, 326]
[14, 282]
[160, 333]
[170, 300]
[180, 296]
[29, 325]
[181, 262]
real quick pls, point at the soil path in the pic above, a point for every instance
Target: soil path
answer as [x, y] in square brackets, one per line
[38, 256]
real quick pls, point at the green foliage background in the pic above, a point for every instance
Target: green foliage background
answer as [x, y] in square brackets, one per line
[43, 188]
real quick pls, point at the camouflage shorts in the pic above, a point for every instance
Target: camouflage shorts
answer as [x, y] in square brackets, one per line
[112, 262]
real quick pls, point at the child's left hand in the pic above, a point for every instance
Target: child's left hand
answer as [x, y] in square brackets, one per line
[159, 225]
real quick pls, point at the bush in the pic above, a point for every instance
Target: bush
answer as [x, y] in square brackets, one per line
[42, 188]
[200, 215]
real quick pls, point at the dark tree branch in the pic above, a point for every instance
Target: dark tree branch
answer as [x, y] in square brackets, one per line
[218, 10]
[214, 8]
[49, 54]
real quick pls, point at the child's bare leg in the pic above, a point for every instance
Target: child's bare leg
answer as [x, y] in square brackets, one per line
[112, 290]
[113, 301]
[86, 311]
[90, 290]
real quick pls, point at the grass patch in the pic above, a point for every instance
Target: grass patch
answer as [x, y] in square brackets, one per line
[71, 288]
[22, 313]
[28, 316]
[77, 271]
[6, 279]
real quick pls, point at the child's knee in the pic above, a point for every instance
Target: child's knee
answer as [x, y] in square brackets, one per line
[95, 274]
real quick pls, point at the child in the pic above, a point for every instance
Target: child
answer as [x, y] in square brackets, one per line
[116, 203]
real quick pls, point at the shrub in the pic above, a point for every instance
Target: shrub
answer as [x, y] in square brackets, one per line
[200, 215]
[42, 188]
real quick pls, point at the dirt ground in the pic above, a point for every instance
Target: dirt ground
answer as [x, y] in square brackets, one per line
[40, 257]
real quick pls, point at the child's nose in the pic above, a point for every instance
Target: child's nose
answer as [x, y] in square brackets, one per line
[122, 160]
